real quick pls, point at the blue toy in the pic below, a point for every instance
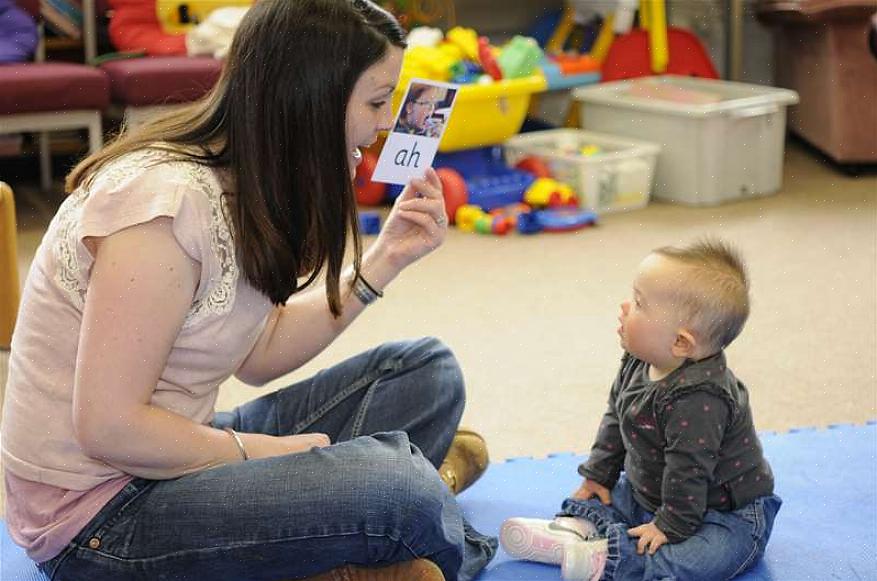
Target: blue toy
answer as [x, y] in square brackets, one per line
[565, 220]
[369, 223]
[490, 183]
[528, 223]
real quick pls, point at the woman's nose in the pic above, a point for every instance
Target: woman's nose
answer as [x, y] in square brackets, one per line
[385, 123]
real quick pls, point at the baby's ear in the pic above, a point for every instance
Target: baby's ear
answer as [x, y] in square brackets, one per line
[685, 345]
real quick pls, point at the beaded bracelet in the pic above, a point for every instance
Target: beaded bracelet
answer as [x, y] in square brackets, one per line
[366, 293]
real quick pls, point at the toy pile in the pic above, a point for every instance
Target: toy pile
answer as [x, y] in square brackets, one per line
[482, 193]
[462, 56]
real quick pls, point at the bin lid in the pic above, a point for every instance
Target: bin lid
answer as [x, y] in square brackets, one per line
[686, 96]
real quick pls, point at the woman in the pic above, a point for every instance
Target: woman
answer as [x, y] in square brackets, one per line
[416, 117]
[185, 254]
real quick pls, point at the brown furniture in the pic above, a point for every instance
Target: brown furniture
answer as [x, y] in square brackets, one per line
[823, 53]
[9, 282]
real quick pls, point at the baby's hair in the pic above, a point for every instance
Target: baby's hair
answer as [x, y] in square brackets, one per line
[714, 294]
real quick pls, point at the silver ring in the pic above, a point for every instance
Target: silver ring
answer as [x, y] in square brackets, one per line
[442, 220]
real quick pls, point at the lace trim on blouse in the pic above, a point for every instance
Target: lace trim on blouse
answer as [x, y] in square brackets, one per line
[218, 298]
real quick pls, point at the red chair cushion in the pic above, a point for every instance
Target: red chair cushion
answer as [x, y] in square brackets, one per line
[146, 81]
[42, 87]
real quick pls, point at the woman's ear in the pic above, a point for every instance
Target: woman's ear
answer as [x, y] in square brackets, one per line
[685, 346]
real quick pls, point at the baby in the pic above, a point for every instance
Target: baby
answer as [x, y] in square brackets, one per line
[676, 485]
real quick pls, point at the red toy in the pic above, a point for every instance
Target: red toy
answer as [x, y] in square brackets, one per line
[134, 27]
[628, 57]
[488, 63]
[534, 165]
[368, 193]
[453, 190]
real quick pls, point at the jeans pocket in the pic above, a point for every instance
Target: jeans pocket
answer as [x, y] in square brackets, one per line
[99, 536]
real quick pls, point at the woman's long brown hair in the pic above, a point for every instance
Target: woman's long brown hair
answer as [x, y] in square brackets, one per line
[276, 121]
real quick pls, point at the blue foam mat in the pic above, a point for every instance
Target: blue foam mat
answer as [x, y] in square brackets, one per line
[826, 530]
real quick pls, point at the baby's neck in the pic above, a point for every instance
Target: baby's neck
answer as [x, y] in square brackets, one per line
[658, 373]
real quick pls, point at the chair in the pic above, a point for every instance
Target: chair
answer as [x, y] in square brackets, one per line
[145, 86]
[41, 97]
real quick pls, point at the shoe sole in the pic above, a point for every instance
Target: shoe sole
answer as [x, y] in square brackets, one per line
[417, 570]
[520, 541]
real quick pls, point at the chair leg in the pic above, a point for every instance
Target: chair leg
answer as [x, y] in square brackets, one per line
[9, 284]
[45, 162]
[95, 133]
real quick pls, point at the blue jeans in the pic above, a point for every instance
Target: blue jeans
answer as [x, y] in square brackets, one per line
[373, 497]
[726, 544]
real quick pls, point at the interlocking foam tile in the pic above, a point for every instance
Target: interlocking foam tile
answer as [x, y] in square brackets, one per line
[826, 529]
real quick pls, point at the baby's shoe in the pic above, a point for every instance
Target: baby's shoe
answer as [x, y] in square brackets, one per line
[584, 561]
[543, 540]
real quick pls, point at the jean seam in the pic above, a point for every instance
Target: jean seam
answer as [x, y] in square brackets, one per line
[340, 396]
[757, 533]
[239, 545]
[748, 561]
[101, 530]
[359, 419]
[65, 554]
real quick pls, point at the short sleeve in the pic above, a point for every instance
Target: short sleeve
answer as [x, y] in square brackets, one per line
[139, 188]
[136, 189]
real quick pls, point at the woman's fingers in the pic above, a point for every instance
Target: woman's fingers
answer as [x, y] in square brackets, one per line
[425, 221]
[428, 186]
[434, 208]
[305, 442]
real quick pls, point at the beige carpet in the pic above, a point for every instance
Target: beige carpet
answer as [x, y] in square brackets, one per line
[532, 319]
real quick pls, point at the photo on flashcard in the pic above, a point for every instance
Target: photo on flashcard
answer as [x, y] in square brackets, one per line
[413, 141]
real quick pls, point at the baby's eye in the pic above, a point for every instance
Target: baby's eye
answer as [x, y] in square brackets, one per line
[637, 303]
[378, 104]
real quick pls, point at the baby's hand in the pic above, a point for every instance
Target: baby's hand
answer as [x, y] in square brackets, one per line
[650, 536]
[590, 488]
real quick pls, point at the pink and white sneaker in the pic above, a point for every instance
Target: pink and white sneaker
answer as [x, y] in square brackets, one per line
[543, 540]
[584, 561]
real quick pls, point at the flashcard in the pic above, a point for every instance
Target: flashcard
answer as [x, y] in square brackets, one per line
[413, 142]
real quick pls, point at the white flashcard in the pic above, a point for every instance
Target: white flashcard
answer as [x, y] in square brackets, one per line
[420, 123]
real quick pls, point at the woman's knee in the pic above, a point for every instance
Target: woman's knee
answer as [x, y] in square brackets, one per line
[443, 367]
[399, 475]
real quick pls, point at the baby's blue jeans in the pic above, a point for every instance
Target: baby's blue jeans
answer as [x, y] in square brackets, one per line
[726, 544]
[373, 497]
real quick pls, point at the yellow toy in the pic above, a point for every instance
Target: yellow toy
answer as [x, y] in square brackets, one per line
[546, 192]
[466, 39]
[176, 16]
[427, 62]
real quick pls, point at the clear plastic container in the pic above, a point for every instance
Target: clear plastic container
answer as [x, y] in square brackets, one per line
[608, 173]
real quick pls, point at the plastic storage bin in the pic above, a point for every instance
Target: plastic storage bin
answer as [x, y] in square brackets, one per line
[486, 114]
[720, 141]
[617, 177]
